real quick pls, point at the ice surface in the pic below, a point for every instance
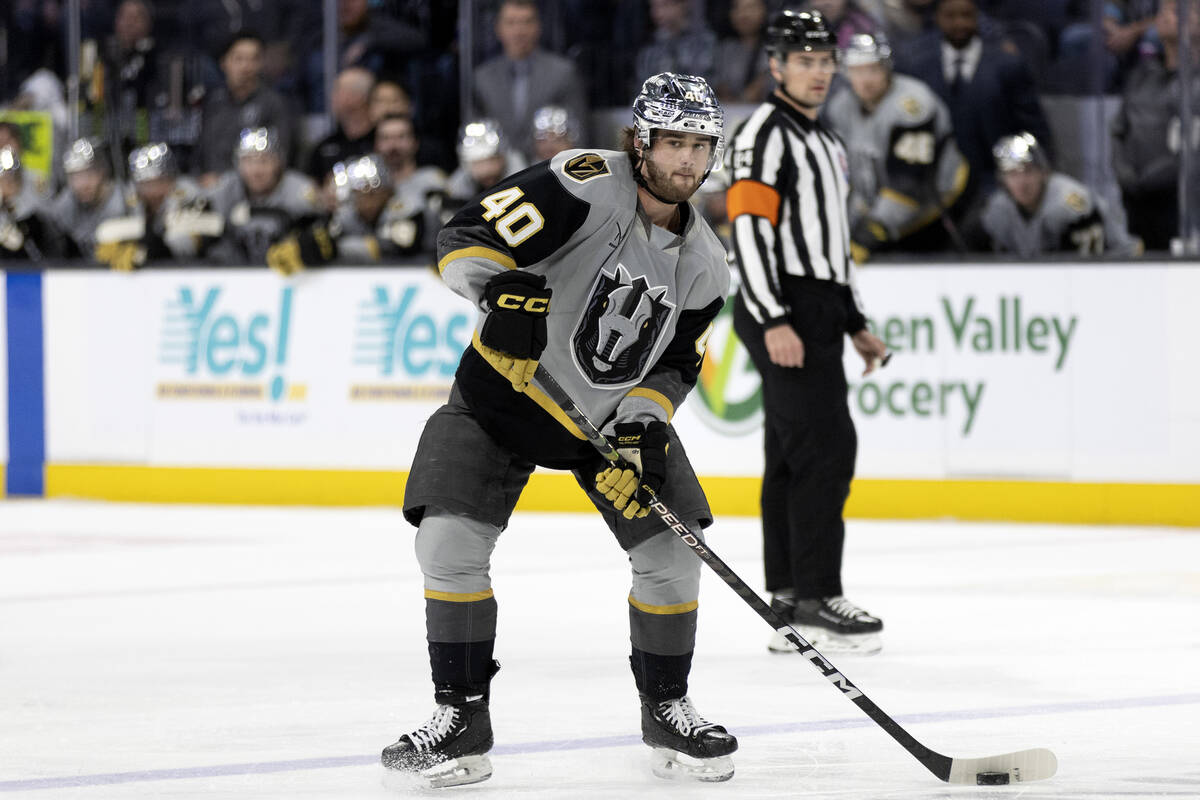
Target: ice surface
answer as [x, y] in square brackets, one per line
[185, 651]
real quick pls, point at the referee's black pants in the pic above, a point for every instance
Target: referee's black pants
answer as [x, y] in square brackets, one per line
[809, 441]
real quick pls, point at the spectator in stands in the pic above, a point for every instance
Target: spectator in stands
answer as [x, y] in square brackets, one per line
[372, 40]
[1038, 211]
[1146, 134]
[261, 201]
[1123, 25]
[416, 187]
[741, 74]
[510, 87]
[243, 102]
[484, 160]
[845, 18]
[178, 222]
[989, 92]
[388, 98]
[90, 198]
[554, 130]
[24, 233]
[681, 44]
[905, 169]
[148, 90]
[284, 25]
[353, 134]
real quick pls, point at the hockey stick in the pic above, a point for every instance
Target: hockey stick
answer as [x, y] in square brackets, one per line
[1019, 767]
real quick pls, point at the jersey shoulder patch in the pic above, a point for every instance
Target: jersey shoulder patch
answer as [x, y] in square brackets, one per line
[1076, 202]
[586, 166]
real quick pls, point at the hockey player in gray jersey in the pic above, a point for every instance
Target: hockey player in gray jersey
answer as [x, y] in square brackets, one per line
[1038, 210]
[25, 234]
[905, 168]
[484, 158]
[415, 186]
[260, 201]
[90, 198]
[595, 265]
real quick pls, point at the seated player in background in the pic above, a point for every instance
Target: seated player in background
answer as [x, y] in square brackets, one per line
[905, 169]
[595, 264]
[90, 198]
[373, 221]
[397, 144]
[484, 158]
[1038, 210]
[24, 234]
[260, 202]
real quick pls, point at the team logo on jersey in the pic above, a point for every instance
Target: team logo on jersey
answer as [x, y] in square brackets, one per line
[585, 167]
[620, 327]
[1076, 202]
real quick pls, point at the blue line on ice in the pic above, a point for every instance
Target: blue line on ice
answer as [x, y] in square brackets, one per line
[222, 770]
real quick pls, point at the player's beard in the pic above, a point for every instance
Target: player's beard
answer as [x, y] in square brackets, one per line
[659, 182]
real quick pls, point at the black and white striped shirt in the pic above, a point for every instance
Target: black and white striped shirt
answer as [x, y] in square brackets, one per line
[788, 206]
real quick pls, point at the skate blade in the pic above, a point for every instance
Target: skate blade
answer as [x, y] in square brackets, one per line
[455, 772]
[676, 766]
[828, 642]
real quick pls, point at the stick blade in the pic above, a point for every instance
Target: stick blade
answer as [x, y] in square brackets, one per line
[1021, 767]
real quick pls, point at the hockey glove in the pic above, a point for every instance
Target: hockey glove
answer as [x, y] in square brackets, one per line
[308, 246]
[121, 256]
[628, 483]
[867, 236]
[514, 331]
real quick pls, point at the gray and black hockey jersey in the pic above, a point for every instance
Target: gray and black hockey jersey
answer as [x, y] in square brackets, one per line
[184, 224]
[631, 308]
[25, 234]
[1070, 219]
[407, 225]
[78, 223]
[904, 165]
[252, 226]
[787, 204]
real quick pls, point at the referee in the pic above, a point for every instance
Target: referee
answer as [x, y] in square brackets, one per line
[796, 301]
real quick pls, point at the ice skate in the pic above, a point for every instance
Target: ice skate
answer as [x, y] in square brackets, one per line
[684, 744]
[448, 750]
[832, 625]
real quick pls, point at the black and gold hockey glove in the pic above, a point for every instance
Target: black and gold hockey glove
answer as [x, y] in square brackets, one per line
[867, 236]
[121, 256]
[628, 483]
[308, 246]
[514, 331]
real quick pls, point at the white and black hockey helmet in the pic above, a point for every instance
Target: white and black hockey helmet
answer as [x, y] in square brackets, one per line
[1018, 152]
[9, 161]
[152, 162]
[555, 121]
[364, 174]
[258, 141]
[84, 154]
[480, 139]
[682, 103]
[867, 48]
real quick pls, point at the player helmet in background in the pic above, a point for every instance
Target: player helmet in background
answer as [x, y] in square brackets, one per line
[84, 154]
[480, 139]
[365, 174]
[1018, 152]
[681, 103]
[554, 121]
[792, 31]
[151, 162]
[9, 161]
[258, 141]
[867, 48]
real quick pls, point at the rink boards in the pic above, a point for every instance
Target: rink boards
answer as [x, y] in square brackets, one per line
[1047, 391]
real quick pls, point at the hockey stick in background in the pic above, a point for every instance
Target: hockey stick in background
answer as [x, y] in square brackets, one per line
[1019, 767]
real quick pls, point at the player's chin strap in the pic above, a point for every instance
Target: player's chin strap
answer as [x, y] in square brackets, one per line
[1025, 765]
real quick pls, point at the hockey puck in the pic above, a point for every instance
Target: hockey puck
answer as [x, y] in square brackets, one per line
[991, 778]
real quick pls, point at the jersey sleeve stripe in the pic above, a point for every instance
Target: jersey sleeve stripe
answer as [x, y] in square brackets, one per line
[898, 197]
[677, 608]
[656, 397]
[458, 597]
[752, 197]
[502, 259]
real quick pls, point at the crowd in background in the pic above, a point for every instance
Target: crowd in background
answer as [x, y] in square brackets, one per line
[201, 135]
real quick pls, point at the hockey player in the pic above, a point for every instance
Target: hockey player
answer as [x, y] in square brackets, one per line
[24, 234]
[1039, 211]
[595, 265]
[260, 202]
[483, 159]
[905, 168]
[417, 187]
[90, 198]
[373, 221]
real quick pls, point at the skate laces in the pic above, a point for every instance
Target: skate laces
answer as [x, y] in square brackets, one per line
[683, 715]
[435, 729]
[843, 607]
